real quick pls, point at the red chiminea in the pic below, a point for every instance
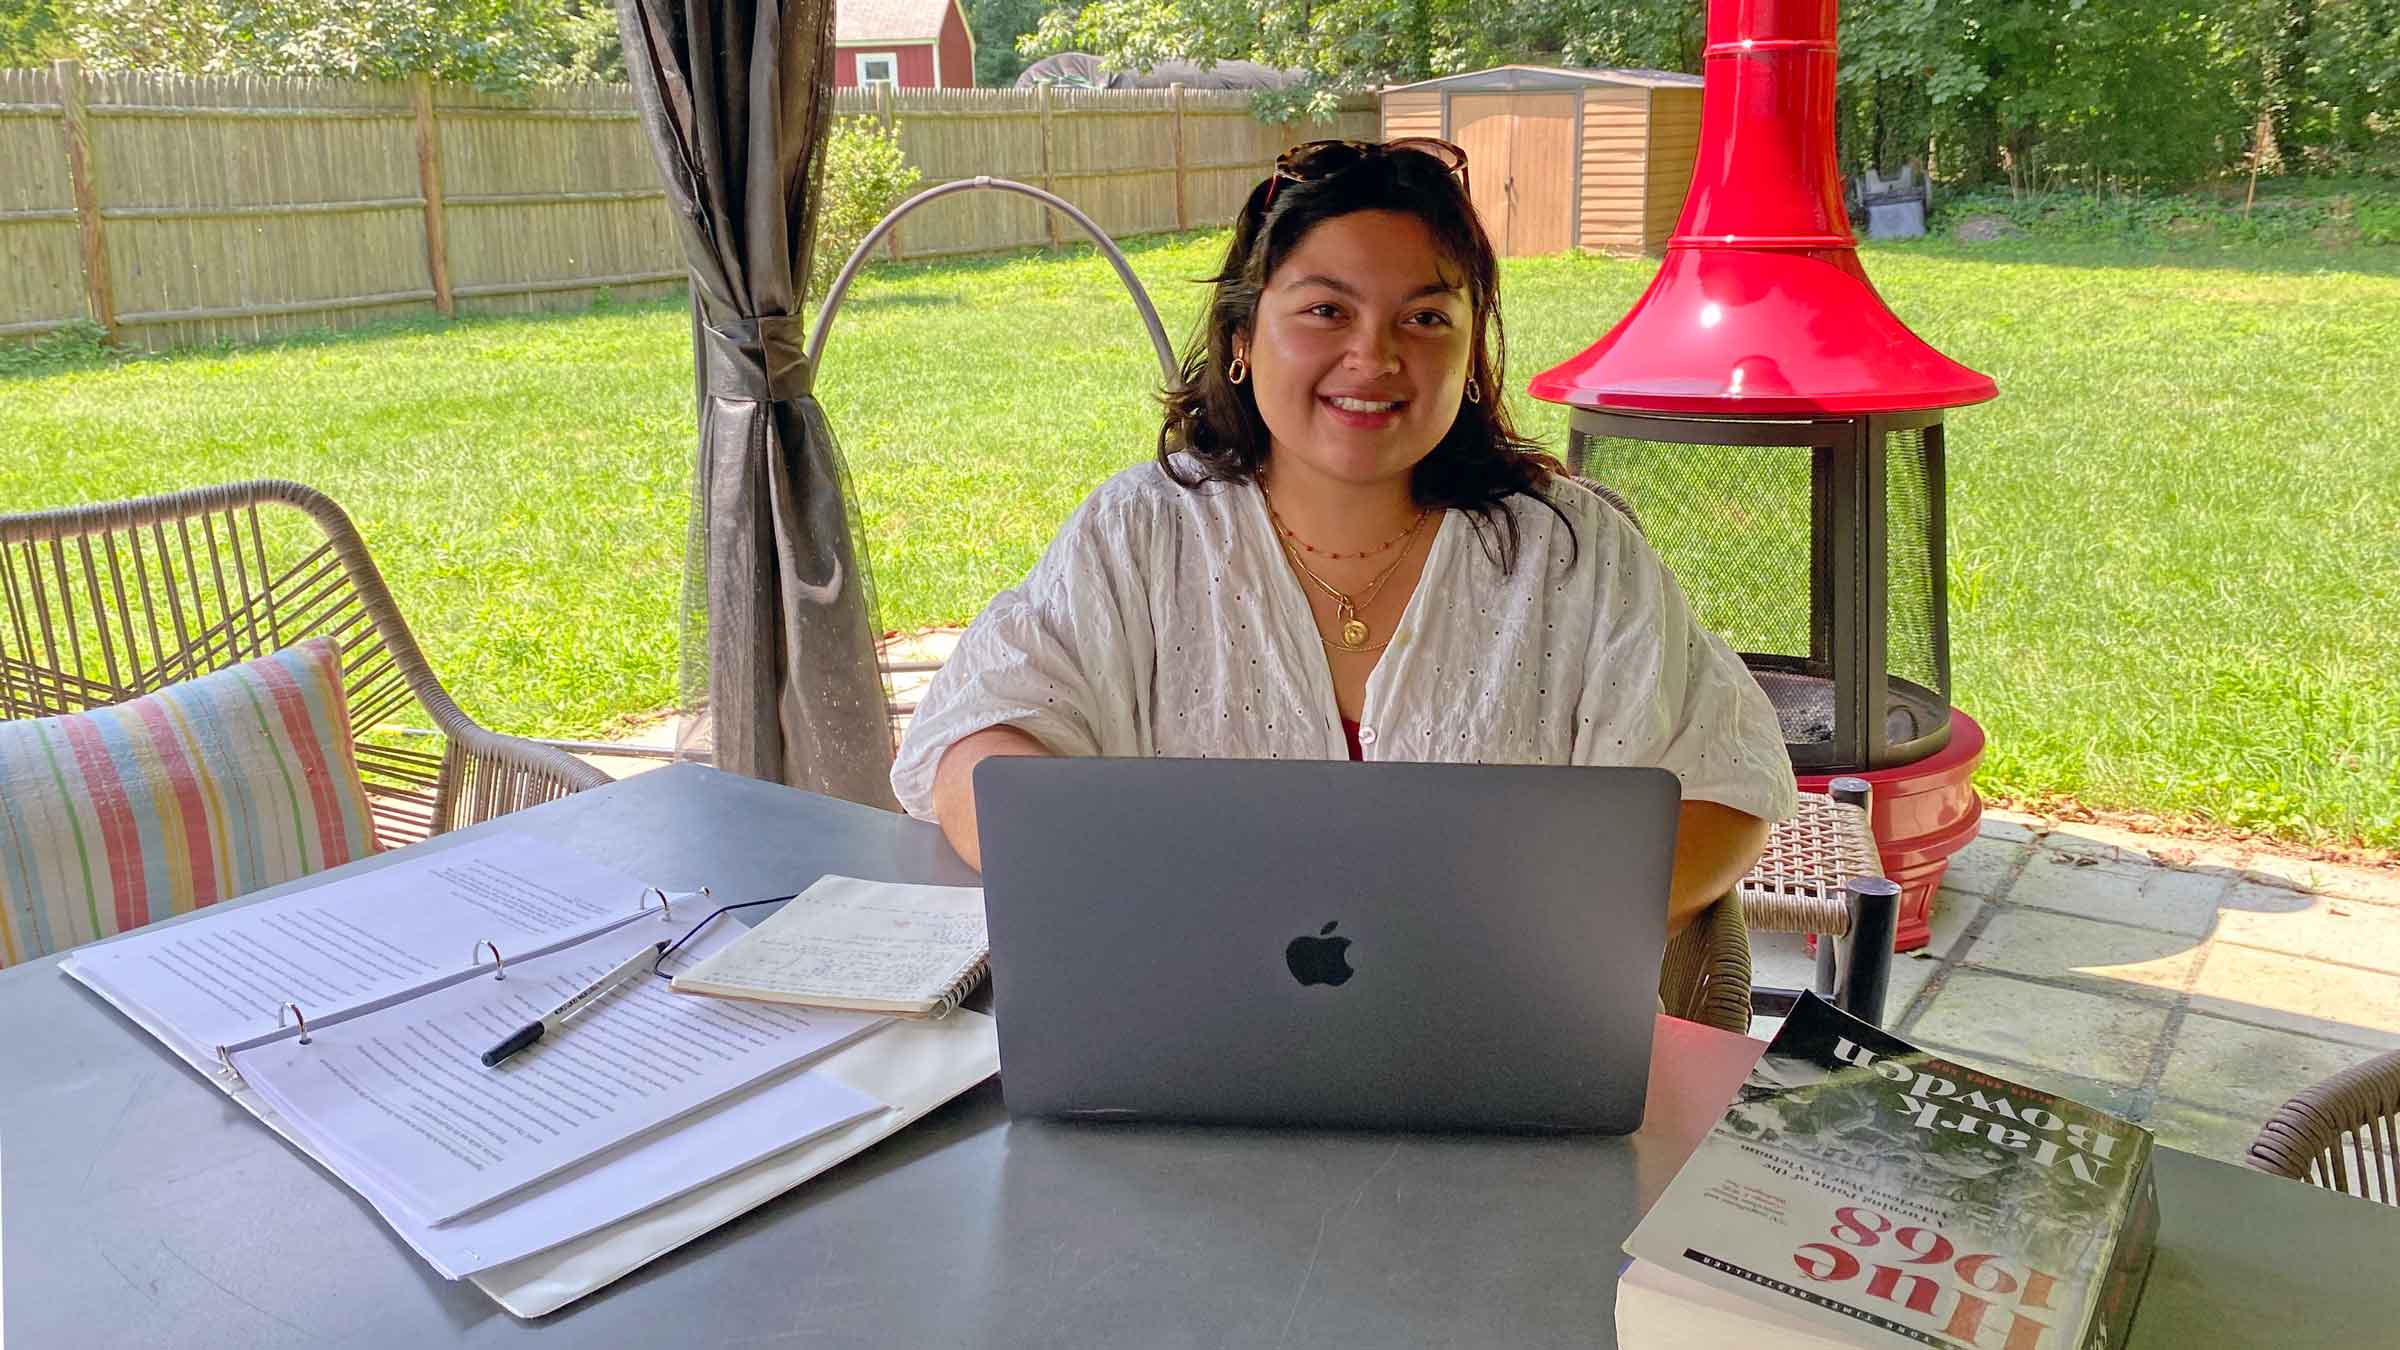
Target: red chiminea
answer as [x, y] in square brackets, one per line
[1780, 433]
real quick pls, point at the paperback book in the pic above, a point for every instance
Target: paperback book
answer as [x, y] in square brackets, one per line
[1863, 1192]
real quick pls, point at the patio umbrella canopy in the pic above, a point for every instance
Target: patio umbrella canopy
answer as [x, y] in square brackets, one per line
[779, 675]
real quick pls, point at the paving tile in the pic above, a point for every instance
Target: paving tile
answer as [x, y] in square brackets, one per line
[2107, 958]
[2360, 1007]
[1953, 915]
[2196, 1129]
[2247, 1071]
[1782, 960]
[2193, 855]
[2065, 1031]
[2107, 843]
[2011, 828]
[1909, 974]
[1985, 866]
[2320, 927]
[2375, 886]
[2272, 869]
[2143, 893]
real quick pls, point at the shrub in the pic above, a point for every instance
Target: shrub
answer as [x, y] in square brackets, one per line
[2164, 221]
[2377, 216]
[866, 175]
[79, 343]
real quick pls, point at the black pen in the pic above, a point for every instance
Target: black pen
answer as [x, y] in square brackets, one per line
[556, 1017]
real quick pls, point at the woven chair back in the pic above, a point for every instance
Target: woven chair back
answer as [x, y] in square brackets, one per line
[103, 604]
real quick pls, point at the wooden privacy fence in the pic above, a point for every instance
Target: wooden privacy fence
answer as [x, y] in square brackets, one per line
[173, 210]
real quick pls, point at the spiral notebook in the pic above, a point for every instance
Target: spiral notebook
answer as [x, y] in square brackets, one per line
[857, 946]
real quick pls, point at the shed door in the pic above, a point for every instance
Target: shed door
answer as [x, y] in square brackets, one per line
[1520, 167]
[1479, 124]
[1541, 186]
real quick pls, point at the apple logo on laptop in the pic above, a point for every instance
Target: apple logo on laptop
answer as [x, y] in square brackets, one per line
[1319, 959]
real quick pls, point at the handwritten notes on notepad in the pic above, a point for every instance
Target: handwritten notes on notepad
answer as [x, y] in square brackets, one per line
[868, 946]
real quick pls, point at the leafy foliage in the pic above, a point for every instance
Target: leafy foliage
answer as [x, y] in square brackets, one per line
[80, 342]
[589, 48]
[491, 44]
[29, 32]
[997, 24]
[2178, 222]
[2037, 93]
[866, 175]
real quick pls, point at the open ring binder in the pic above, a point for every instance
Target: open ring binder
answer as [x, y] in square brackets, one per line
[289, 1014]
[666, 902]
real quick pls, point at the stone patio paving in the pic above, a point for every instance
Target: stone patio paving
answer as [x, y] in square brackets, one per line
[2191, 987]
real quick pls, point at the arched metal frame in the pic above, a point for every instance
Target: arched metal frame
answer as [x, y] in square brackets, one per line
[1116, 258]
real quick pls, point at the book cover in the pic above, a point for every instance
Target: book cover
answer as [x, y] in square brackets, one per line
[1893, 1197]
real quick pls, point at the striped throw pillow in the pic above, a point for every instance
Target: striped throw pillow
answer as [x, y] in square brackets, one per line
[203, 791]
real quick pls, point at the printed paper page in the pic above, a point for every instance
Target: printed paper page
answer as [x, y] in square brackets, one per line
[402, 1096]
[858, 940]
[694, 1152]
[356, 941]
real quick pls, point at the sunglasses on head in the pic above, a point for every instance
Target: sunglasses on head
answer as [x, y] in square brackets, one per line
[1312, 160]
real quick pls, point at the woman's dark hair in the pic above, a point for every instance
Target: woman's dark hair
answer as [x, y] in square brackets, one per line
[1479, 464]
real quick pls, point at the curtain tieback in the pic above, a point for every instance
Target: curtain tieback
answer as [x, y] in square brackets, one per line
[757, 359]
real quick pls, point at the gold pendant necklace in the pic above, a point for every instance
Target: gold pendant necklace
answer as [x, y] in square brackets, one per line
[1354, 630]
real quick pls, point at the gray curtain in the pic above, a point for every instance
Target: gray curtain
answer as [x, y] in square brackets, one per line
[779, 674]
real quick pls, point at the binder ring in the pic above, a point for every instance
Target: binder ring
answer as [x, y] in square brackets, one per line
[297, 1016]
[499, 963]
[666, 904]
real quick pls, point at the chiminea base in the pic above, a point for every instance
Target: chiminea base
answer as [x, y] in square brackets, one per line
[1923, 813]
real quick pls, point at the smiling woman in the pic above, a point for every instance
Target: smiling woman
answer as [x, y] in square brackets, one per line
[1345, 549]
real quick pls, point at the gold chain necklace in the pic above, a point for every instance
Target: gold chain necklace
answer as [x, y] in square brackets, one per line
[1307, 547]
[1354, 629]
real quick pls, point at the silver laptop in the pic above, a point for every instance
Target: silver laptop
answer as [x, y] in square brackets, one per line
[1419, 946]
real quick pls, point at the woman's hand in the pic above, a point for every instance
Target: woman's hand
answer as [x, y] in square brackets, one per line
[1714, 846]
[954, 785]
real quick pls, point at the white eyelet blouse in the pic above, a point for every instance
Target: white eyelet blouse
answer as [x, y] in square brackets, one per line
[1164, 620]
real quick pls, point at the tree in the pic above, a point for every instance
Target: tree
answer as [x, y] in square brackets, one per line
[29, 33]
[590, 48]
[997, 25]
[1340, 45]
[492, 44]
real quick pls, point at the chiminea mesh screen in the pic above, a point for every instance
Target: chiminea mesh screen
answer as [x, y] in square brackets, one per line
[1733, 523]
[1760, 535]
[1915, 647]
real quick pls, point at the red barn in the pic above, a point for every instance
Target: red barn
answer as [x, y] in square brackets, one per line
[907, 44]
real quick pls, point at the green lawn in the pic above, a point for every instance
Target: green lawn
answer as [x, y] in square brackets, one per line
[2174, 543]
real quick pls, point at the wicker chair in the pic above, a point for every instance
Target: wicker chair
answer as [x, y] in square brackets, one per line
[2343, 1134]
[101, 604]
[1705, 977]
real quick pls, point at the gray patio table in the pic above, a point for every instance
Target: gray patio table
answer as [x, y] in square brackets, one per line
[140, 1208]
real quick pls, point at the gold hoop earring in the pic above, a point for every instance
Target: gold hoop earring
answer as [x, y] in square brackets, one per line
[1236, 371]
[1474, 391]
